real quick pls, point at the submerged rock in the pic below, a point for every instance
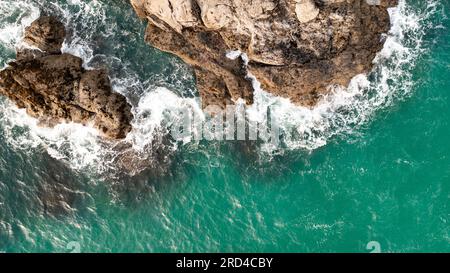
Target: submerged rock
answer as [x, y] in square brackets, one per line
[296, 48]
[54, 87]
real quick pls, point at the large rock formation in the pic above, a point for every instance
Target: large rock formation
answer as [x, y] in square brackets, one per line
[296, 48]
[54, 87]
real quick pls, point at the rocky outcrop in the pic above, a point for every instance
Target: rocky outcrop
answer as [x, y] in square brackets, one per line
[296, 48]
[54, 87]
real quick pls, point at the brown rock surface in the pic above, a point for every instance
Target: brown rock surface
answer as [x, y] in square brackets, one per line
[54, 87]
[296, 48]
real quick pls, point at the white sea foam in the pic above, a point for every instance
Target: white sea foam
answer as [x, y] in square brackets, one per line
[347, 108]
[80, 146]
[21, 14]
[78, 44]
[155, 109]
[337, 114]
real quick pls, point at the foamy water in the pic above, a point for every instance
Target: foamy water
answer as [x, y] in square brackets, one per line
[345, 109]
[338, 114]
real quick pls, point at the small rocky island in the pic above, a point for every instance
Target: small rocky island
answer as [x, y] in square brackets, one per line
[54, 87]
[296, 48]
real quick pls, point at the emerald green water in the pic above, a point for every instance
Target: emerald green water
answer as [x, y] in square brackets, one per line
[385, 180]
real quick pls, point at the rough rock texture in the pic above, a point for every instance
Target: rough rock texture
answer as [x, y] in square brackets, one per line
[54, 87]
[296, 48]
[46, 34]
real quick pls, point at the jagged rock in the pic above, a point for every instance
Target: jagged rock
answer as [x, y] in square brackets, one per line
[296, 48]
[47, 34]
[54, 87]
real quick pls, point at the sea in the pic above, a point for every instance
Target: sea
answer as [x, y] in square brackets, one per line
[366, 170]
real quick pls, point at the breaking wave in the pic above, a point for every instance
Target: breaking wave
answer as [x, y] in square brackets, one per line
[157, 95]
[346, 109]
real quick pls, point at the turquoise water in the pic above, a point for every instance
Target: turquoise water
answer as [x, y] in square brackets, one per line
[380, 172]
